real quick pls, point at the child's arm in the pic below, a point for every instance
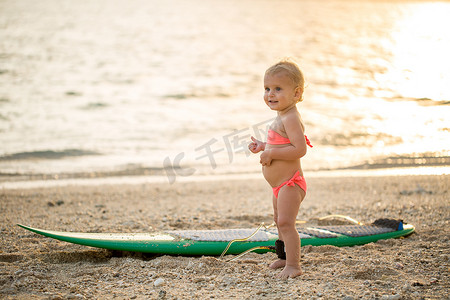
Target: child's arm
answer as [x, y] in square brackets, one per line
[296, 150]
[256, 146]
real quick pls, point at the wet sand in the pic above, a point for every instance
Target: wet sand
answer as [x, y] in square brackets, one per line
[415, 267]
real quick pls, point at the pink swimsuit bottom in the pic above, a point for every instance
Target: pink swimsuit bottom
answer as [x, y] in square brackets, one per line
[274, 138]
[296, 179]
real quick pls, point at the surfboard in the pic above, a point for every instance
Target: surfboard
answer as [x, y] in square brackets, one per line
[215, 242]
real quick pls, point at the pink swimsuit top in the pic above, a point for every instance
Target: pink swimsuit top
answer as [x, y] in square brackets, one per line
[274, 138]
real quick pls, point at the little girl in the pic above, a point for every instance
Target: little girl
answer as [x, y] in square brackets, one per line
[280, 160]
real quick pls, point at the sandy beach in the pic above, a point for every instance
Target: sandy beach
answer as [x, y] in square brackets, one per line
[415, 267]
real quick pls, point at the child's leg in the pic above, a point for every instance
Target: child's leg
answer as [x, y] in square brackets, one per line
[288, 204]
[280, 263]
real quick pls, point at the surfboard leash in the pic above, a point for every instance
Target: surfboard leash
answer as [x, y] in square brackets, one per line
[250, 250]
[245, 239]
[249, 237]
[272, 225]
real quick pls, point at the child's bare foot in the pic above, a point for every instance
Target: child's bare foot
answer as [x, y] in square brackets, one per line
[290, 272]
[278, 264]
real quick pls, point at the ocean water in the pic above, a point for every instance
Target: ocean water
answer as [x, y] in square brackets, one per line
[175, 87]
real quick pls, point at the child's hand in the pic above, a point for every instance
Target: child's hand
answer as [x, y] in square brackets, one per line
[265, 158]
[256, 146]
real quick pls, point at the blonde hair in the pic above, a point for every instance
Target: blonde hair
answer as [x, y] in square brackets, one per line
[292, 70]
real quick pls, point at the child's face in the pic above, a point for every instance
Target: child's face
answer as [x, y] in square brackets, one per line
[280, 92]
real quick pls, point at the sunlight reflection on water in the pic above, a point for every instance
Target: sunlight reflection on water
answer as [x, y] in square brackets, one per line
[138, 81]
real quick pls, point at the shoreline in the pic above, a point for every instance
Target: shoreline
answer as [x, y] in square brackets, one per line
[113, 179]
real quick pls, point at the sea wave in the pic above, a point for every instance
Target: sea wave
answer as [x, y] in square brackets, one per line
[94, 106]
[204, 93]
[420, 101]
[358, 139]
[414, 160]
[47, 154]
